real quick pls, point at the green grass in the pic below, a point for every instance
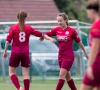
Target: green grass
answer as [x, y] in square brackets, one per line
[37, 85]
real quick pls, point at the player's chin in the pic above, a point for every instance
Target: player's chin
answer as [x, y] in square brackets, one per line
[60, 25]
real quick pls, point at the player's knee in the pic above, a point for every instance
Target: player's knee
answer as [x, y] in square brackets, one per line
[26, 76]
[68, 77]
[11, 72]
[61, 76]
[96, 88]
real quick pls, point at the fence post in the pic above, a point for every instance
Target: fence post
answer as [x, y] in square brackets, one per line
[82, 67]
[2, 64]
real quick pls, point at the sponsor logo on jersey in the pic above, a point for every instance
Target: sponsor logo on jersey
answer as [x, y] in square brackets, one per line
[59, 32]
[7, 34]
[62, 38]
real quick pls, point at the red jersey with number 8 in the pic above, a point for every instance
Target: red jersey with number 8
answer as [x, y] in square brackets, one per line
[20, 39]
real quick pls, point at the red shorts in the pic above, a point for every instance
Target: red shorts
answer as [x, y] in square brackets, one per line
[17, 58]
[66, 64]
[93, 83]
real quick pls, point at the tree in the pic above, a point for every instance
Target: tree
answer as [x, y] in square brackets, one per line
[75, 9]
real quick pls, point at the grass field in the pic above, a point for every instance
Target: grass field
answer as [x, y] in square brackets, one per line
[38, 85]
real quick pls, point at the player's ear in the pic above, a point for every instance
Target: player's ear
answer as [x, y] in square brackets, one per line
[66, 21]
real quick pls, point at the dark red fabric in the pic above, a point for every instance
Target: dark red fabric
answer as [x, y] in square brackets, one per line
[71, 84]
[26, 84]
[15, 81]
[60, 84]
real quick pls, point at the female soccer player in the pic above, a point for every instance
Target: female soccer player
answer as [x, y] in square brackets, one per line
[92, 75]
[65, 35]
[19, 35]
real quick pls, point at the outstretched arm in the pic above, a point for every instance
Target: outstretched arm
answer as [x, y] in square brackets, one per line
[82, 47]
[48, 35]
[49, 38]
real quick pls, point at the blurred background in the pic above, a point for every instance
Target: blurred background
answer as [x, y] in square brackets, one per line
[44, 55]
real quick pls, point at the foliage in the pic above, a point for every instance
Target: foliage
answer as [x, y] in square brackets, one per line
[75, 9]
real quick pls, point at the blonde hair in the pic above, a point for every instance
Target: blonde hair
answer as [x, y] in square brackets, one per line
[21, 18]
[65, 17]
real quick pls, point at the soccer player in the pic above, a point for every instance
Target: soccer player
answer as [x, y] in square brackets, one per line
[92, 76]
[65, 36]
[19, 36]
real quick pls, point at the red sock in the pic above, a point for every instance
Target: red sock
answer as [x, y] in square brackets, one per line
[60, 84]
[26, 84]
[15, 81]
[71, 85]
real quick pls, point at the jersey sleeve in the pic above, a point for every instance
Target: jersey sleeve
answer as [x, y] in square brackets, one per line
[35, 32]
[95, 33]
[10, 35]
[76, 37]
[51, 32]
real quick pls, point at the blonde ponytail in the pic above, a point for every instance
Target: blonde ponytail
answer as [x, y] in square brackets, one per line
[21, 18]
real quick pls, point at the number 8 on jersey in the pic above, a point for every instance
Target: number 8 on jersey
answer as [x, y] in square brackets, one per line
[22, 36]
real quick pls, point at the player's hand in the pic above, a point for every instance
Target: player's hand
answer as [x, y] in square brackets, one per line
[53, 40]
[90, 73]
[41, 38]
[87, 56]
[5, 55]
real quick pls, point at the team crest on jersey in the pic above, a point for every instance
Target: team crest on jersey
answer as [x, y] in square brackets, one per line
[67, 32]
[7, 34]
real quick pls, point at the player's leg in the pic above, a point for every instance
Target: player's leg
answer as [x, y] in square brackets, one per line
[25, 63]
[70, 81]
[96, 88]
[13, 64]
[13, 77]
[88, 84]
[25, 72]
[67, 64]
[61, 80]
[86, 87]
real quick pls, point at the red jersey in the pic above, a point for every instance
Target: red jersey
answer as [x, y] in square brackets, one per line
[95, 33]
[20, 40]
[65, 41]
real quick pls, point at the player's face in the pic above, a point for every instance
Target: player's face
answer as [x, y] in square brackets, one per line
[90, 14]
[61, 21]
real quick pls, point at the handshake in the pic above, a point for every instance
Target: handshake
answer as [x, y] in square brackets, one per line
[47, 38]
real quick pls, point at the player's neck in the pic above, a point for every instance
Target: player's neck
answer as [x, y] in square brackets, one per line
[64, 27]
[97, 18]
